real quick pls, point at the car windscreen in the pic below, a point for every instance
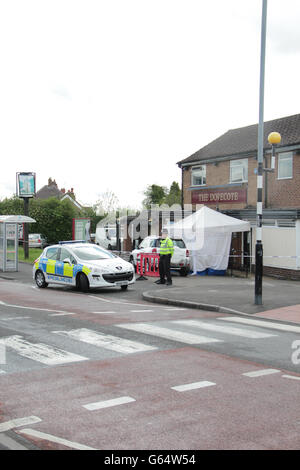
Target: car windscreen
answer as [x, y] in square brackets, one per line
[179, 243]
[92, 253]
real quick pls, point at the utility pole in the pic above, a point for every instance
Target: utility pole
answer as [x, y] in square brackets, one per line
[259, 245]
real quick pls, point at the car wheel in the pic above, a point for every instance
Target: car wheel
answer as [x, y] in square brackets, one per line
[124, 287]
[83, 282]
[183, 272]
[40, 279]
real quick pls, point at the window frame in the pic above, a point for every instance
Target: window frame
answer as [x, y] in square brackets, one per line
[284, 154]
[199, 168]
[233, 164]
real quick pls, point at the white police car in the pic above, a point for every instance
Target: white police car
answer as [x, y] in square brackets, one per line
[82, 265]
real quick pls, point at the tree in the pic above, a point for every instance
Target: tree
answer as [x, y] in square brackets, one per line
[107, 202]
[174, 195]
[154, 195]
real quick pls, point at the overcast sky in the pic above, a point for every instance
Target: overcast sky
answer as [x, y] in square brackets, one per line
[111, 94]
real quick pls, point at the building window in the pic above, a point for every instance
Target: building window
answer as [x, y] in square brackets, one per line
[199, 176]
[285, 165]
[239, 171]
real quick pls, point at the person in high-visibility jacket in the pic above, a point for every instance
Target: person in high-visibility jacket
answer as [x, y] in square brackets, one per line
[165, 254]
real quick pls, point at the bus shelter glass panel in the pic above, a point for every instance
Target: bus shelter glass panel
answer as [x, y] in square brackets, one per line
[11, 246]
[2, 246]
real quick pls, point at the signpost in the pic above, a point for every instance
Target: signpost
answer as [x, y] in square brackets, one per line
[81, 228]
[26, 190]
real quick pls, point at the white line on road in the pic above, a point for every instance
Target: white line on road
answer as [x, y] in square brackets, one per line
[106, 312]
[2, 371]
[108, 403]
[61, 314]
[168, 333]
[15, 423]
[259, 373]
[192, 386]
[115, 301]
[263, 324]
[140, 311]
[174, 308]
[37, 308]
[14, 318]
[40, 352]
[113, 343]
[291, 377]
[224, 329]
[57, 440]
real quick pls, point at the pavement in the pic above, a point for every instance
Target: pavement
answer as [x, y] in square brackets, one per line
[224, 294]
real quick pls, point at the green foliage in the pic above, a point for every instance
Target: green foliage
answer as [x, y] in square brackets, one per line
[161, 195]
[54, 218]
[174, 196]
[154, 195]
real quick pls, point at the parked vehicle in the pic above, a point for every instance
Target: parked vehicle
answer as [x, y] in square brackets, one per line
[82, 265]
[106, 237]
[37, 240]
[180, 260]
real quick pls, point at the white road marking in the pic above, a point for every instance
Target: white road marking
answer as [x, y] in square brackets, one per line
[57, 440]
[259, 373]
[263, 324]
[192, 386]
[291, 377]
[2, 371]
[15, 423]
[224, 329]
[167, 333]
[61, 314]
[40, 352]
[174, 308]
[140, 311]
[109, 311]
[108, 403]
[115, 301]
[113, 343]
[14, 318]
[37, 308]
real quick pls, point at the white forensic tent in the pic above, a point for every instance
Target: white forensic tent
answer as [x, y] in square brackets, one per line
[207, 234]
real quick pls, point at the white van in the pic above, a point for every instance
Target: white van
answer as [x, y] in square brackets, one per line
[106, 237]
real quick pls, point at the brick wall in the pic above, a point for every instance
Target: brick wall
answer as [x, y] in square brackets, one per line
[284, 193]
[279, 273]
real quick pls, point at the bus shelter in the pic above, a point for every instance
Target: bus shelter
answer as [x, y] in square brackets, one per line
[9, 240]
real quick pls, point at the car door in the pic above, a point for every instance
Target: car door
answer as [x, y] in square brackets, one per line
[65, 269]
[49, 264]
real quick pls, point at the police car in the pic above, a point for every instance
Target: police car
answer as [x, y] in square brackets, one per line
[82, 265]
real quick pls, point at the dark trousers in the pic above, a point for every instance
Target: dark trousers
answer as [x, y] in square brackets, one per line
[164, 267]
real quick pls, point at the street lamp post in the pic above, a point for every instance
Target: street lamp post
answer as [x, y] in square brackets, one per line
[274, 138]
[259, 246]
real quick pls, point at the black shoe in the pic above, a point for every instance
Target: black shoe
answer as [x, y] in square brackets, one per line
[159, 282]
[169, 283]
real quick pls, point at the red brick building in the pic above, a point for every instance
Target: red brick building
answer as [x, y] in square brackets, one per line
[223, 176]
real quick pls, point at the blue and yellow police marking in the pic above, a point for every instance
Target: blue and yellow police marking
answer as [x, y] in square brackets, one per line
[59, 270]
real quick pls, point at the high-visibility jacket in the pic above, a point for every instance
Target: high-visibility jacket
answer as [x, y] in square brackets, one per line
[166, 246]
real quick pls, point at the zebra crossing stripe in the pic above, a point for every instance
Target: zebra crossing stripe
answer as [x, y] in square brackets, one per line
[168, 333]
[102, 340]
[224, 329]
[15, 423]
[263, 324]
[40, 352]
[55, 439]
[108, 403]
[193, 386]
